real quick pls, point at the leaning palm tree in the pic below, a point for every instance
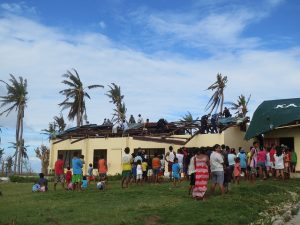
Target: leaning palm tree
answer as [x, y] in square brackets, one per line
[241, 106]
[217, 99]
[16, 98]
[75, 96]
[188, 119]
[116, 98]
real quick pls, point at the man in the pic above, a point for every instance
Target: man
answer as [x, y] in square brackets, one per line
[77, 171]
[214, 120]
[217, 169]
[131, 120]
[170, 156]
[253, 161]
[102, 168]
[204, 124]
[59, 172]
[140, 119]
[226, 113]
[126, 167]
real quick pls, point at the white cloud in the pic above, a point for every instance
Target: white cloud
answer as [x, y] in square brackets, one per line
[214, 25]
[102, 24]
[17, 8]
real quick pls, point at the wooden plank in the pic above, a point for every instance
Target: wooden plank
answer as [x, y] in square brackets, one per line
[176, 142]
[80, 139]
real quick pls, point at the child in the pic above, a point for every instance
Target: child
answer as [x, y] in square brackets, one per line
[43, 182]
[139, 172]
[162, 167]
[84, 183]
[68, 176]
[144, 167]
[237, 170]
[101, 185]
[149, 171]
[175, 172]
[90, 173]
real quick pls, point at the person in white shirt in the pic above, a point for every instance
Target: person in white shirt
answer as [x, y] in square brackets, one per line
[170, 156]
[279, 162]
[179, 156]
[217, 169]
[140, 119]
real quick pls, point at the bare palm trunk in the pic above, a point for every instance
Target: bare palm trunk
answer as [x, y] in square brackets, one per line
[212, 109]
[17, 139]
[21, 142]
[222, 102]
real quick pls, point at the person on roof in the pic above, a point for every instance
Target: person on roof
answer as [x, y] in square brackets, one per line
[140, 119]
[131, 120]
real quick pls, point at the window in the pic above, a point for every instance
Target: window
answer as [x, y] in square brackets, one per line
[151, 151]
[98, 153]
[67, 156]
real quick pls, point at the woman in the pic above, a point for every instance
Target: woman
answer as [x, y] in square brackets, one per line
[201, 163]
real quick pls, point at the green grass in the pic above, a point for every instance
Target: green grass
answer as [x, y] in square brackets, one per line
[148, 204]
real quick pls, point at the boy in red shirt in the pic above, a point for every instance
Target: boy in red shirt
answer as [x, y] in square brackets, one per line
[59, 172]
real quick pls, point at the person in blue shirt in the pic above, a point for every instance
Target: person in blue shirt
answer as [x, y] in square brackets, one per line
[77, 171]
[175, 172]
[243, 161]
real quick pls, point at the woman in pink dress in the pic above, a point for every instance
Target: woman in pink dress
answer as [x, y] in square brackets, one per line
[201, 163]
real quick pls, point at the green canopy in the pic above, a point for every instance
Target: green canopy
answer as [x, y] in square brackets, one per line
[272, 114]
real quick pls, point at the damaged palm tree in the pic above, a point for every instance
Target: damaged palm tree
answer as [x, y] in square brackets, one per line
[241, 105]
[75, 96]
[16, 99]
[117, 99]
[217, 99]
[43, 153]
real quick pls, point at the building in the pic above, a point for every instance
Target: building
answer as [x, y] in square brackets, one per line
[277, 122]
[94, 141]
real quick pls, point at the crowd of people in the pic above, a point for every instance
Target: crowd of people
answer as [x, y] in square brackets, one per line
[222, 164]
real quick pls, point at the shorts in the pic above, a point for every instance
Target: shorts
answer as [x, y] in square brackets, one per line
[144, 174]
[149, 172]
[126, 173]
[261, 164]
[217, 177]
[59, 178]
[155, 172]
[76, 178]
[139, 176]
[102, 175]
[170, 164]
[192, 179]
[91, 178]
[244, 170]
[176, 176]
[248, 168]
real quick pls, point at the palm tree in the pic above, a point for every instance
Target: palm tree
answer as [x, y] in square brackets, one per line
[116, 98]
[51, 131]
[16, 98]
[217, 99]
[188, 119]
[60, 122]
[75, 96]
[241, 103]
[43, 153]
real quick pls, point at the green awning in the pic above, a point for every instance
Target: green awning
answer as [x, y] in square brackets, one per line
[272, 114]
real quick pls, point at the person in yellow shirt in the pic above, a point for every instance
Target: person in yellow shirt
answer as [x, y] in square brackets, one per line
[126, 167]
[144, 167]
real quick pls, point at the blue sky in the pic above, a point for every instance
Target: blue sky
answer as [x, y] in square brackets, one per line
[164, 54]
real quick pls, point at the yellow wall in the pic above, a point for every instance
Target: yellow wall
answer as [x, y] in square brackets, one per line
[288, 132]
[115, 146]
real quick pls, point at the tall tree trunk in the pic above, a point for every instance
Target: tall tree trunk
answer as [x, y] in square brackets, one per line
[21, 141]
[17, 140]
[222, 102]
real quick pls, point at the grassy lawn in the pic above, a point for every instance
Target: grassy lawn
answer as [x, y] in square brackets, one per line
[148, 204]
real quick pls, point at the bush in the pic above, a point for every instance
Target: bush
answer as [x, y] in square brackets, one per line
[27, 179]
